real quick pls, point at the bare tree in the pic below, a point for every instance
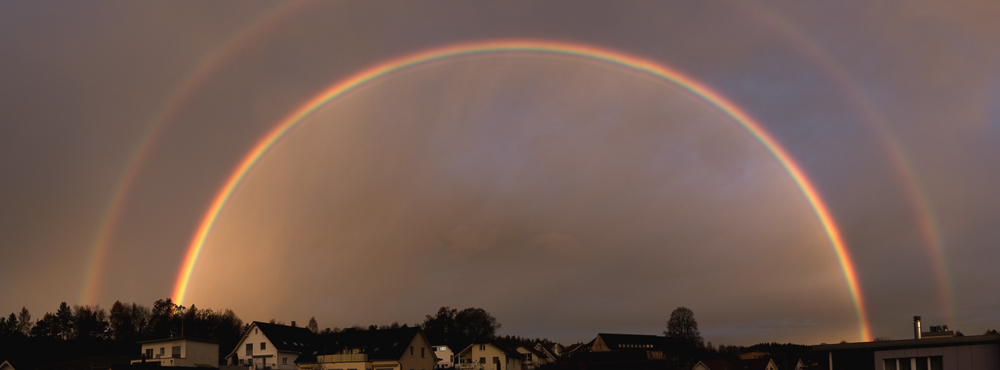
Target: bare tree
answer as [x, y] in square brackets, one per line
[683, 326]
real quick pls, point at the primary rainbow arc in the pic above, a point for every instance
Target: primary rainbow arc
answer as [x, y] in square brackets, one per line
[634, 63]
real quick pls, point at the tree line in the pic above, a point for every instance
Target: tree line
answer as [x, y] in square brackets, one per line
[73, 332]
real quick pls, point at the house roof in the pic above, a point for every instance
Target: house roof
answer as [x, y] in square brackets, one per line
[717, 365]
[283, 337]
[578, 347]
[286, 338]
[632, 341]
[533, 351]
[383, 344]
[911, 343]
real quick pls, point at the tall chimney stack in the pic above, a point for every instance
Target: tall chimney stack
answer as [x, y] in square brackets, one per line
[916, 327]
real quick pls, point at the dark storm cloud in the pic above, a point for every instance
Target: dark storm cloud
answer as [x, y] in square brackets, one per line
[412, 178]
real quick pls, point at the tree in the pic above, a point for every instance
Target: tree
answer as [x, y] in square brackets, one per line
[683, 326]
[475, 324]
[24, 323]
[313, 326]
[64, 321]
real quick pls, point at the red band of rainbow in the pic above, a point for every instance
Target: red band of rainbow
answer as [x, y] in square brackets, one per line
[531, 46]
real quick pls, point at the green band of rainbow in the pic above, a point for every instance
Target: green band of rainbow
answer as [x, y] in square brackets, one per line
[532, 46]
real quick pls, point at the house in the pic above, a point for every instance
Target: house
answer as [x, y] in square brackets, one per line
[273, 346]
[489, 356]
[445, 356]
[652, 346]
[742, 364]
[552, 350]
[385, 349]
[532, 359]
[577, 348]
[938, 352]
[6, 366]
[179, 351]
[714, 365]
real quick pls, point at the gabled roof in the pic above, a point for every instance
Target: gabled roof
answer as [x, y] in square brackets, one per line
[286, 338]
[283, 337]
[383, 344]
[717, 365]
[578, 347]
[533, 351]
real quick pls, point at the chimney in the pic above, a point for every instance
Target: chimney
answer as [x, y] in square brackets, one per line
[916, 327]
[293, 324]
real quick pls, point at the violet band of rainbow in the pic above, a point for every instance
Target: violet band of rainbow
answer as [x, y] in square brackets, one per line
[536, 46]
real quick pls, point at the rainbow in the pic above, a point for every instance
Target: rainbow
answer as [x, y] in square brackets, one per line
[908, 176]
[630, 62]
[183, 90]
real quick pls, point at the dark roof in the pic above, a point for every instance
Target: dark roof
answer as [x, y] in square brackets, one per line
[532, 350]
[178, 338]
[910, 343]
[624, 342]
[286, 338]
[718, 365]
[578, 347]
[383, 344]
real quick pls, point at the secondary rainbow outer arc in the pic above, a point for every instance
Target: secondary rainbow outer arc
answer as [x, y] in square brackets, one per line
[182, 91]
[549, 47]
[911, 184]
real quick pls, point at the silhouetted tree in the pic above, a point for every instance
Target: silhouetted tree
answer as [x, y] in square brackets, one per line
[475, 324]
[89, 322]
[24, 323]
[46, 327]
[313, 326]
[64, 321]
[682, 325]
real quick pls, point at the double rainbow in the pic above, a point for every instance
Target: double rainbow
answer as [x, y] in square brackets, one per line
[630, 62]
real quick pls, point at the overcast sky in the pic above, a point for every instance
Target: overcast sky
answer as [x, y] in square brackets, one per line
[566, 196]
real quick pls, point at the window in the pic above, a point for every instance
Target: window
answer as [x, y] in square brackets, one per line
[175, 351]
[162, 352]
[937, 363]
[263, 346]
[482, 347]
[496, 360]
[411, 351]
[284, 360]
[482, 360]
[890, 364]
[922, 363]
[422, 353]
[149, 353]
[904, 364]
[249, 349]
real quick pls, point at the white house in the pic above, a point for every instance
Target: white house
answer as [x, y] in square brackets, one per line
[489, 356]
[180, 351]
[445, 356]
[270, 346]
